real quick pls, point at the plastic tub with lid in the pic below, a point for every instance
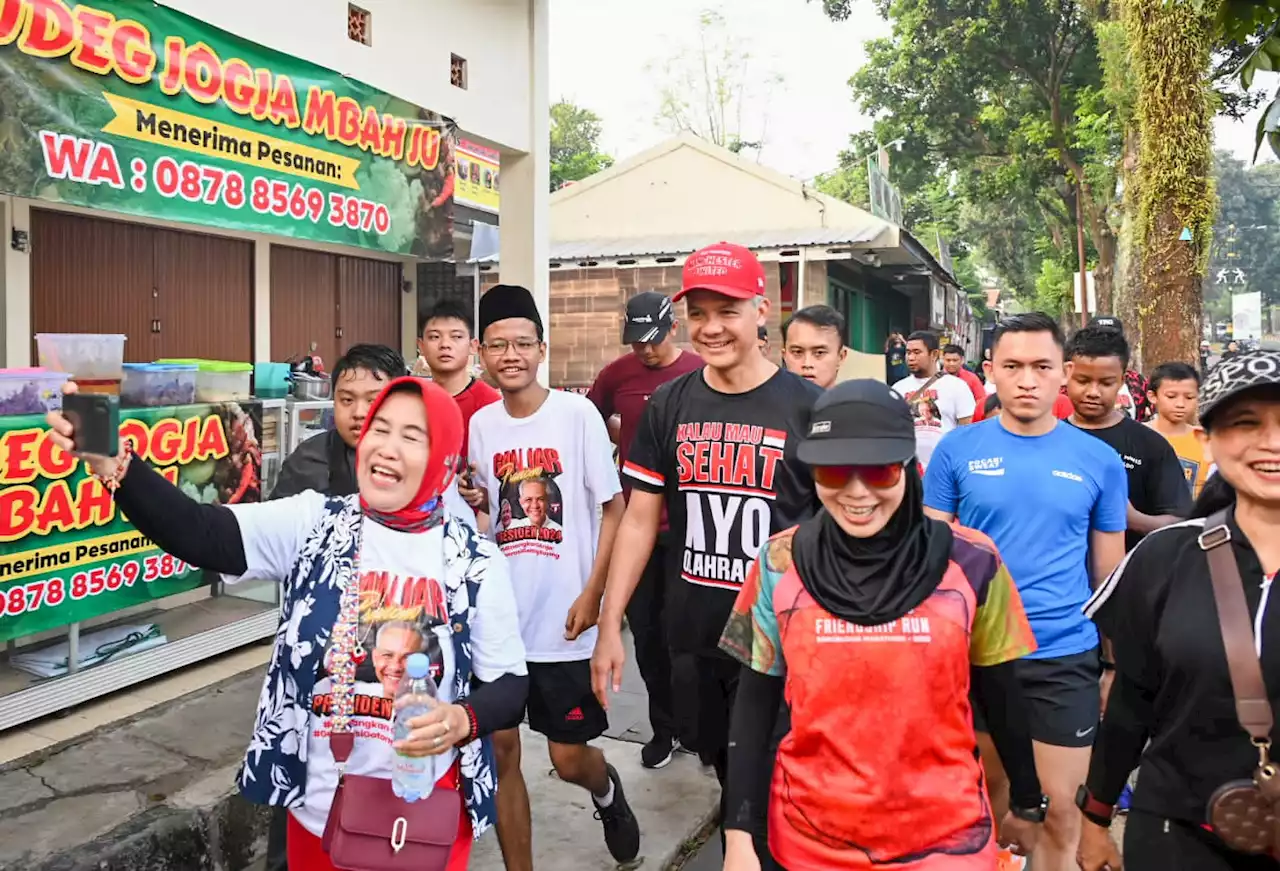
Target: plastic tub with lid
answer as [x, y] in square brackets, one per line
[147, 385]
[219, 380]
[270, 380]
[86, 357]
[30, 391]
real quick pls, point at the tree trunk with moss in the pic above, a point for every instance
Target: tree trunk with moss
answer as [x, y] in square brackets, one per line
[1128, 261]
[1170, 43]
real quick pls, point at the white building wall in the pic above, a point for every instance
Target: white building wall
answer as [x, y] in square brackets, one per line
[409, 57]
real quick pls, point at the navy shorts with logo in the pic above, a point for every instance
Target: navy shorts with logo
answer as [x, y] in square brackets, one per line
[1063, 698]
[561, 705]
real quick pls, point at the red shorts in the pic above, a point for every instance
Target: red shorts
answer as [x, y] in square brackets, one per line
[306, 853]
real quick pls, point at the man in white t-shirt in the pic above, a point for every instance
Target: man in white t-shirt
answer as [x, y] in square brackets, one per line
[545, 476]
[939, 402]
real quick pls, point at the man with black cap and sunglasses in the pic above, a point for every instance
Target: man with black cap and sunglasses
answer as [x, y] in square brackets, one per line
[716, 448]
[623, 389]
[557, 537]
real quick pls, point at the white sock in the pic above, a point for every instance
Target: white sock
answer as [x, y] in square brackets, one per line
[606, 799]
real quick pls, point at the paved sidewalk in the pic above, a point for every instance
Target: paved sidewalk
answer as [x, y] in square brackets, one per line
[156, 793]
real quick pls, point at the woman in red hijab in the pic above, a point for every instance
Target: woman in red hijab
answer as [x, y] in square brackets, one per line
[368, 581]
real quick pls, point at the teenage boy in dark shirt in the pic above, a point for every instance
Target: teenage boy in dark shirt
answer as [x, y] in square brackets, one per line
[326, 462]
[717, 449]
[623, 388]
[1097, 358]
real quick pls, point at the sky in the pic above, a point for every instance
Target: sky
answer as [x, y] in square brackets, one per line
[609, 55]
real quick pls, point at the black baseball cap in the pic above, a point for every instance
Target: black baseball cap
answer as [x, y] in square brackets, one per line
[1109, 322]
[859, 423]
[1234, 376]
[649, 318]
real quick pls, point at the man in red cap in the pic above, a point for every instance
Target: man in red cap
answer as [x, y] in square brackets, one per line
[717, 449]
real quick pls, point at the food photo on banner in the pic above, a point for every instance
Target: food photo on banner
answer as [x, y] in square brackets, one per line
[132, 107]
[67, 554]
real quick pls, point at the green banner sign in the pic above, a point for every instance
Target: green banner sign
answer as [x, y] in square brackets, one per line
[132, 107]
[66, 551]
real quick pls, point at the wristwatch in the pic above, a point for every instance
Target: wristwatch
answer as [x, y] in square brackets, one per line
[1094, 811]
[1032, 814]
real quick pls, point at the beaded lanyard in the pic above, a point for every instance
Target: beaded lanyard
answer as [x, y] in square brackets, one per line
[346, 652]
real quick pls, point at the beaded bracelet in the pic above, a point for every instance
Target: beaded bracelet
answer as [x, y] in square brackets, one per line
[112, 482]
[474, 731]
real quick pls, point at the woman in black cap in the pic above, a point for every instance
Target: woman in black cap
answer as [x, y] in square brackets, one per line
[1195, 710]
[871, 620]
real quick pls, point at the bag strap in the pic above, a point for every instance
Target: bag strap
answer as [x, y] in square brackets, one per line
[1253, 707]
[344, 656]
[925, 386]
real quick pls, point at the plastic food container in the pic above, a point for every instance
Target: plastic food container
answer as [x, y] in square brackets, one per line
[271, 380]
[30, 391]
[218, 380]
[311, 388]
[87, 357]
[151, 384]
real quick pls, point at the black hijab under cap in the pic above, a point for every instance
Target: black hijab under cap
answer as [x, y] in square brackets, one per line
[869, 581]
[503, 301]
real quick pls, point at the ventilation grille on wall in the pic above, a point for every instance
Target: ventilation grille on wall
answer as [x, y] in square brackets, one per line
[359, 25]
[458, 71]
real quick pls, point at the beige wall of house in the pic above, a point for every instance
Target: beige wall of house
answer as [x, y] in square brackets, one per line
[686, 187]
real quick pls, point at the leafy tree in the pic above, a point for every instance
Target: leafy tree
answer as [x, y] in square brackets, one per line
[1246, 234]
[706, 90]
[575, 140]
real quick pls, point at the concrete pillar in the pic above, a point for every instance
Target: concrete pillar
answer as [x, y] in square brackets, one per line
[261, 300]
[16, 336]
[526, 184]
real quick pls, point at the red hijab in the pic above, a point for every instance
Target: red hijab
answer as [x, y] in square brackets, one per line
[444, 440]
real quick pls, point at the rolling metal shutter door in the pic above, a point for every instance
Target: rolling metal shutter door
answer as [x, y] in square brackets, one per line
[173, 294]
[304, 299]
[93, 276]
[204, 298]
[368, 302]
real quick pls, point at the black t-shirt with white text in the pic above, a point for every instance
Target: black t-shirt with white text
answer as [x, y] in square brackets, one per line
[1157, 484]
[726, 464]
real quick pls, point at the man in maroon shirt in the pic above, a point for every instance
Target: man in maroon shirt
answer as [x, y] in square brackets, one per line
[623, 388]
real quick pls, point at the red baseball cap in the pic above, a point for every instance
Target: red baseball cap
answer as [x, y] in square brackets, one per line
[723, 268]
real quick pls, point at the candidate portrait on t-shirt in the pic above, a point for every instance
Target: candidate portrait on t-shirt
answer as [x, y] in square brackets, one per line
[531, 503]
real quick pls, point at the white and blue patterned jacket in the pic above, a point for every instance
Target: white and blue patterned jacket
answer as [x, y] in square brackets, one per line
[274, 771]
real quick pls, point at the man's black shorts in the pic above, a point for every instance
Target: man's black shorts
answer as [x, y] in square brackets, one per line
[1062, 697]
[561, 705]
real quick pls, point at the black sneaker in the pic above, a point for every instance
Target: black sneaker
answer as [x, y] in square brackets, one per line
[658, 752]
[621, 830]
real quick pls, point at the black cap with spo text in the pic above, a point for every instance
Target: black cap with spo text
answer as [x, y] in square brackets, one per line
[649, 318]
[859, 423]
[1108, 322]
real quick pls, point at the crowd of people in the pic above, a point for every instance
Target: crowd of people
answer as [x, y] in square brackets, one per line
[891, 615]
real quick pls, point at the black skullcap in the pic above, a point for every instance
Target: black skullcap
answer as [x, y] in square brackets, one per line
[503, 301]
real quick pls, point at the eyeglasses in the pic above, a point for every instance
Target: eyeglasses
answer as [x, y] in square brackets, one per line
[499, 346]
[875, 477]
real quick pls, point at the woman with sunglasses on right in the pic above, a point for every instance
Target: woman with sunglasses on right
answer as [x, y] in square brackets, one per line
[1167, 610]
[872, 619]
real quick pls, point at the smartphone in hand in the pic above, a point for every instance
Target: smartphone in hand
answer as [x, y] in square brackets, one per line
[96, 418]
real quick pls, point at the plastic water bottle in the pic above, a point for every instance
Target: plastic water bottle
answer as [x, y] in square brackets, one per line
[412, 777]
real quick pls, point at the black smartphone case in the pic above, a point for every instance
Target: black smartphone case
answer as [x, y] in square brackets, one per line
[96, 418]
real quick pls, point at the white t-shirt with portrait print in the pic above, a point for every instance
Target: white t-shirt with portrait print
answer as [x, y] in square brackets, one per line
[937, 411]
[547, 476]
[402, 611]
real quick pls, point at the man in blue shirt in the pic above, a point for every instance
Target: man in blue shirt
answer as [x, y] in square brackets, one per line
[1054, 500]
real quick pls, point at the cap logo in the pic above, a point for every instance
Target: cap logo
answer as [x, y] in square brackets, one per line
[642, 319]
[819, 427]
